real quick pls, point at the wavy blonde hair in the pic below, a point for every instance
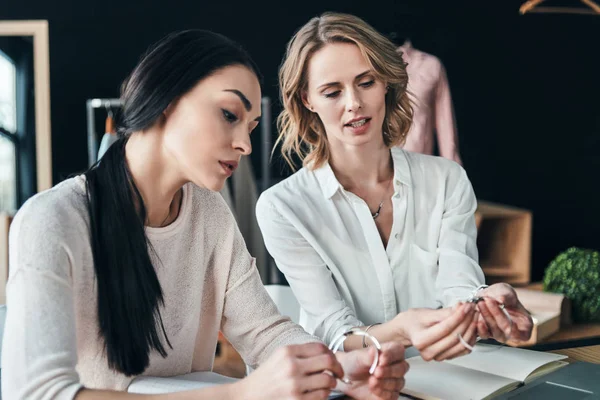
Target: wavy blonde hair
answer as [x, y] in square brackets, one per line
[301, 131]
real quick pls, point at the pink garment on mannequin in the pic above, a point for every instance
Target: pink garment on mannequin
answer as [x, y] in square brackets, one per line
[432, 105]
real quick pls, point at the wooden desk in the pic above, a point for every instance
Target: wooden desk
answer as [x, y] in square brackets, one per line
[589, 354]
[574, 332]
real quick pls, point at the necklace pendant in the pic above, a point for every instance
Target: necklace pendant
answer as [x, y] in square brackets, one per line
[376, 213]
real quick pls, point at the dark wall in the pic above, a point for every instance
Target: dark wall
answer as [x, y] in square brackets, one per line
[525, 88]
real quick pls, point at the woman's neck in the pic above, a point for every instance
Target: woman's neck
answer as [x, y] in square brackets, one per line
[154, 178]
[361, 167]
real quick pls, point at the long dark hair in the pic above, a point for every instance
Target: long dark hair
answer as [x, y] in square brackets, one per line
[129, 293]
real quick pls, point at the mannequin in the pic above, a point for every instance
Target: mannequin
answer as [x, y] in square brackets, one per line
[432, 104]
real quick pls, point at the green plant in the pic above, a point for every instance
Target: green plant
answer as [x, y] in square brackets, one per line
[576, 274]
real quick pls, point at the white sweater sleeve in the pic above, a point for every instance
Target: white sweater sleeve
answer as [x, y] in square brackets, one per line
[251, 320]
[39, 351]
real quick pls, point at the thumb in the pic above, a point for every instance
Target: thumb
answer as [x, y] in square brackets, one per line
[365, 358]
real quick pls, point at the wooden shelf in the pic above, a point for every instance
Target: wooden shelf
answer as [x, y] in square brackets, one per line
[503, 270]
[504, 242]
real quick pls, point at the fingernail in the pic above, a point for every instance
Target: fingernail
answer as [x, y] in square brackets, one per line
[468, 308]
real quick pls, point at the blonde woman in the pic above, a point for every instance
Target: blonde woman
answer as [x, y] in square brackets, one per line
[369, 235]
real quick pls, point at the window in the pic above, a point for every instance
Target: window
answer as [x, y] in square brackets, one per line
[8, 137]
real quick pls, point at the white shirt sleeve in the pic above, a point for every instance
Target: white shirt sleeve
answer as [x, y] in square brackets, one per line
[459, 271]
[39, 351]
[306, 272]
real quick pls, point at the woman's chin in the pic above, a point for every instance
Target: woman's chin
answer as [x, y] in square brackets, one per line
[215, 185]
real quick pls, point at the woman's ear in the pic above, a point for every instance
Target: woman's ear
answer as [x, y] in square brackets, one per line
[168, 111]
[306, 102]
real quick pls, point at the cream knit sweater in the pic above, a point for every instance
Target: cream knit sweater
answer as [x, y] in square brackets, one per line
[51, 345]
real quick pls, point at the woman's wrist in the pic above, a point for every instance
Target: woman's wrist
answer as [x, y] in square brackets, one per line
[479, 291]
[397, 328]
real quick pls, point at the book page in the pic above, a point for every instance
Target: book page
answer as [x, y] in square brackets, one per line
[180, 383]
[506, 361]
[439, 380]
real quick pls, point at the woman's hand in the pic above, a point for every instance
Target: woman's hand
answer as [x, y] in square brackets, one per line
[435, 332]
[387, 379]
[294, 372]
[494, 323]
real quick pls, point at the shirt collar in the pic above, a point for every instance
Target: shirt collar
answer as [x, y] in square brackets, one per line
[330, 185]
[327, 180]
[401, 167]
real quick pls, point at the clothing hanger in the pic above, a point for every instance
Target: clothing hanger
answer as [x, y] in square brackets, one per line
[531, 6]
[109, 126]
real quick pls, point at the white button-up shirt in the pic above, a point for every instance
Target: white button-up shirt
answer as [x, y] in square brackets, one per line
[325, 241]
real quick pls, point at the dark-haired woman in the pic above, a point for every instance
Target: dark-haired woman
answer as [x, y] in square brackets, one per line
[133, 267]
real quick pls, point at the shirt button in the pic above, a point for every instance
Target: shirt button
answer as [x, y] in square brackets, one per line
[397, 182]
[397, 235]
[396, 195]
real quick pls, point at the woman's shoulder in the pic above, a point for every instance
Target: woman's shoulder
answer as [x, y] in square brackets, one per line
[209, 205]
[428, 165]
[60, 206]
[49, 225]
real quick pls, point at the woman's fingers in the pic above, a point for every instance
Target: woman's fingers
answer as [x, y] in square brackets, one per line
[498, 323]
[320, 363]
[319, 381]
[450, 339]
[397, 370]
[396, 385]
[482, 327]
[437, 332]
[391, 353]
[469, 337]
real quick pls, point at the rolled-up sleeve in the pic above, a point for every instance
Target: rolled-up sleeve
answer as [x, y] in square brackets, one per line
[459, 270]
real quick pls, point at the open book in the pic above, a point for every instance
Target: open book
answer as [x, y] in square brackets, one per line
[479, 375]
[180, 383]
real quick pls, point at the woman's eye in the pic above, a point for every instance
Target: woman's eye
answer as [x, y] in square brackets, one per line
[229, 116]
[367, 84]
[332, 94]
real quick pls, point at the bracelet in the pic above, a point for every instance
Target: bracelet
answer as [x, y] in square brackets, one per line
[473, 298]
[337, 342]
[364, 344]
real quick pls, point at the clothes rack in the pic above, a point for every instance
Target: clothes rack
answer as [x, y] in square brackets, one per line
[92, 139]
